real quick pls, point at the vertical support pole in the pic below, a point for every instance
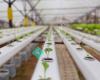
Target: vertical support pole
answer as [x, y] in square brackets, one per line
[33, 23]
[10, 14]
[26, 21]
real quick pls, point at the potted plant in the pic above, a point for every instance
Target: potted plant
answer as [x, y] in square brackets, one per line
[45, 66]
[47, 51]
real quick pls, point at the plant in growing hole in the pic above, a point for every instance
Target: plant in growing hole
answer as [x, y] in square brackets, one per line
[67, 34]
[45, 33]
[28, 34]
[31, 32]
[49, 39]
[45, 66]
[88, 57]
[18, 38]
[47, 51]
[48, 43]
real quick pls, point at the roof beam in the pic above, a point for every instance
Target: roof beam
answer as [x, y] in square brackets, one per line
[80, 17]
[34, 10]
[85, 7]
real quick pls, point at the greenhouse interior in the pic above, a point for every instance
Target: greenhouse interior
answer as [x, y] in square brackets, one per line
[49, 39]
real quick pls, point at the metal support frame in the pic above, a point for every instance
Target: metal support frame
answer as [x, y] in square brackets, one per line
[33, 10]
[90, 17]
[10, 12]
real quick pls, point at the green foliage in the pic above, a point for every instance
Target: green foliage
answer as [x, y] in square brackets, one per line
[63, 32]
[47, 50]
[88, 28]
[18, 38]
[45, 65]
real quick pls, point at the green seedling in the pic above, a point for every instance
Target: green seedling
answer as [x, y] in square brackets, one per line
[18, 38]
[47, 51]
[45, 67]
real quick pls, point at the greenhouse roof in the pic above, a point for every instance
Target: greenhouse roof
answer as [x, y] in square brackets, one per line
[49, 10]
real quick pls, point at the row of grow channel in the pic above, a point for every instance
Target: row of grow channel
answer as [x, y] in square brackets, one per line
[7, 35]
[47, 67]
[87, 64]
[92, 41]
[13, 54]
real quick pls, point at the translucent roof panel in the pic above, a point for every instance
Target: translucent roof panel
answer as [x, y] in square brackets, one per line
[70, 9]
[50, 10]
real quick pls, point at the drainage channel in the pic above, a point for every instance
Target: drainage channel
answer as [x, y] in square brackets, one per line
[68, 70]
